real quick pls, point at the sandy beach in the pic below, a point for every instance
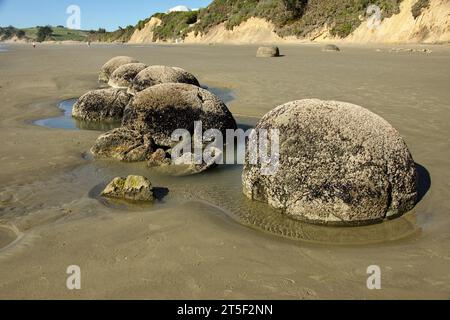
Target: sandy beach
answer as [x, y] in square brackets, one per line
[206, 240]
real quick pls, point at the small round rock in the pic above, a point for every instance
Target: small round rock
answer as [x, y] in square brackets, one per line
[268, 52]
[331, 48]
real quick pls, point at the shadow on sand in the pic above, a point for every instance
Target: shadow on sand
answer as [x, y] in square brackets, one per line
[424, 183]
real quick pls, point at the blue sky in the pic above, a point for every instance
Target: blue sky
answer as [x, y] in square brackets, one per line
[109, 14]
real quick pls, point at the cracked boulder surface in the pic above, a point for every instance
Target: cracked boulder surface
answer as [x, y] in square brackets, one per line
[164, 108]
[123, 144]
[101, 105]
[155, 75]
[109, 67]
[339, 164]
[124, 75]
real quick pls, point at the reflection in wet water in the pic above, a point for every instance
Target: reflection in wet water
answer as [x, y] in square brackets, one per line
[67, 122]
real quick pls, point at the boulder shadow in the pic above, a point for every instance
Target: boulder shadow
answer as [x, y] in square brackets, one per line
[424, 181]
[160, 193]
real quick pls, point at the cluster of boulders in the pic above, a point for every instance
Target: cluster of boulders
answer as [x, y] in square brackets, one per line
[337, 163]
[150, 103]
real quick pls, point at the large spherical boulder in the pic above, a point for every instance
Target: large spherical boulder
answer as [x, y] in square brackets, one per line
[123, 144]
[124, 75]
[111, 66]
[101, 105]
[339, 164]
[161, 109]
[331, 48]
[154, 75]
[268, 52]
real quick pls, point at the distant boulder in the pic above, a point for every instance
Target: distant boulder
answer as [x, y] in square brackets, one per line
[125, 74]
[101, 105]
[268, 52]
[111, 66]
[331, 48]
[155, 75]
[134, 188]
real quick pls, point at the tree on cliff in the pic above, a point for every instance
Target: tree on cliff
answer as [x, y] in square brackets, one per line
[43, 33]
[294, 8]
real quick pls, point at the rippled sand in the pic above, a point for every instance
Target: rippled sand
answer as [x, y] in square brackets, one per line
[205, 239]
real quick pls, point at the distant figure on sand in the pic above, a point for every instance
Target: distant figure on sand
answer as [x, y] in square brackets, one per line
[89, 43]
[34, 44]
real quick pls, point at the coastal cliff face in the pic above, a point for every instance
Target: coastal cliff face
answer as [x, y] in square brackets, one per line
[146, 33]
[403, 21]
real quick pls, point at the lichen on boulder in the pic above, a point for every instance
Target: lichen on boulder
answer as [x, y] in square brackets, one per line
[339, 164]
[134, 188]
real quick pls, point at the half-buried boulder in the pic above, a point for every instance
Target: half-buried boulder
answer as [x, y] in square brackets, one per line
[101, 105]
[123, 144]
[164, 108]
[338, 164]
[155, 75]
[111, 66]
[134, 188]
[268, 52]
[331, 48]
[124, 75]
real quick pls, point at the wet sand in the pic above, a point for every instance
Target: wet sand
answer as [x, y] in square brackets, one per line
[205, 240]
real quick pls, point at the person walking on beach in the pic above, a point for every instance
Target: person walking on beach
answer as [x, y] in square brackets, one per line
[34, 44]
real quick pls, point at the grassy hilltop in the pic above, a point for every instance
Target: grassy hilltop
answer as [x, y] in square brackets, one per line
[290, 17]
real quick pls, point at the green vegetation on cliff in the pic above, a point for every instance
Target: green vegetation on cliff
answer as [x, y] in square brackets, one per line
[290, 17]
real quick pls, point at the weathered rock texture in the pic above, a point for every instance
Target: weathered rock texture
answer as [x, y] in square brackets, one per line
[339, 164]
[124, 75]
[135, 188]
[123, 144]
[268, 52]
[161, 109]
[101, 105]
[155, 75]
[111, 66]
